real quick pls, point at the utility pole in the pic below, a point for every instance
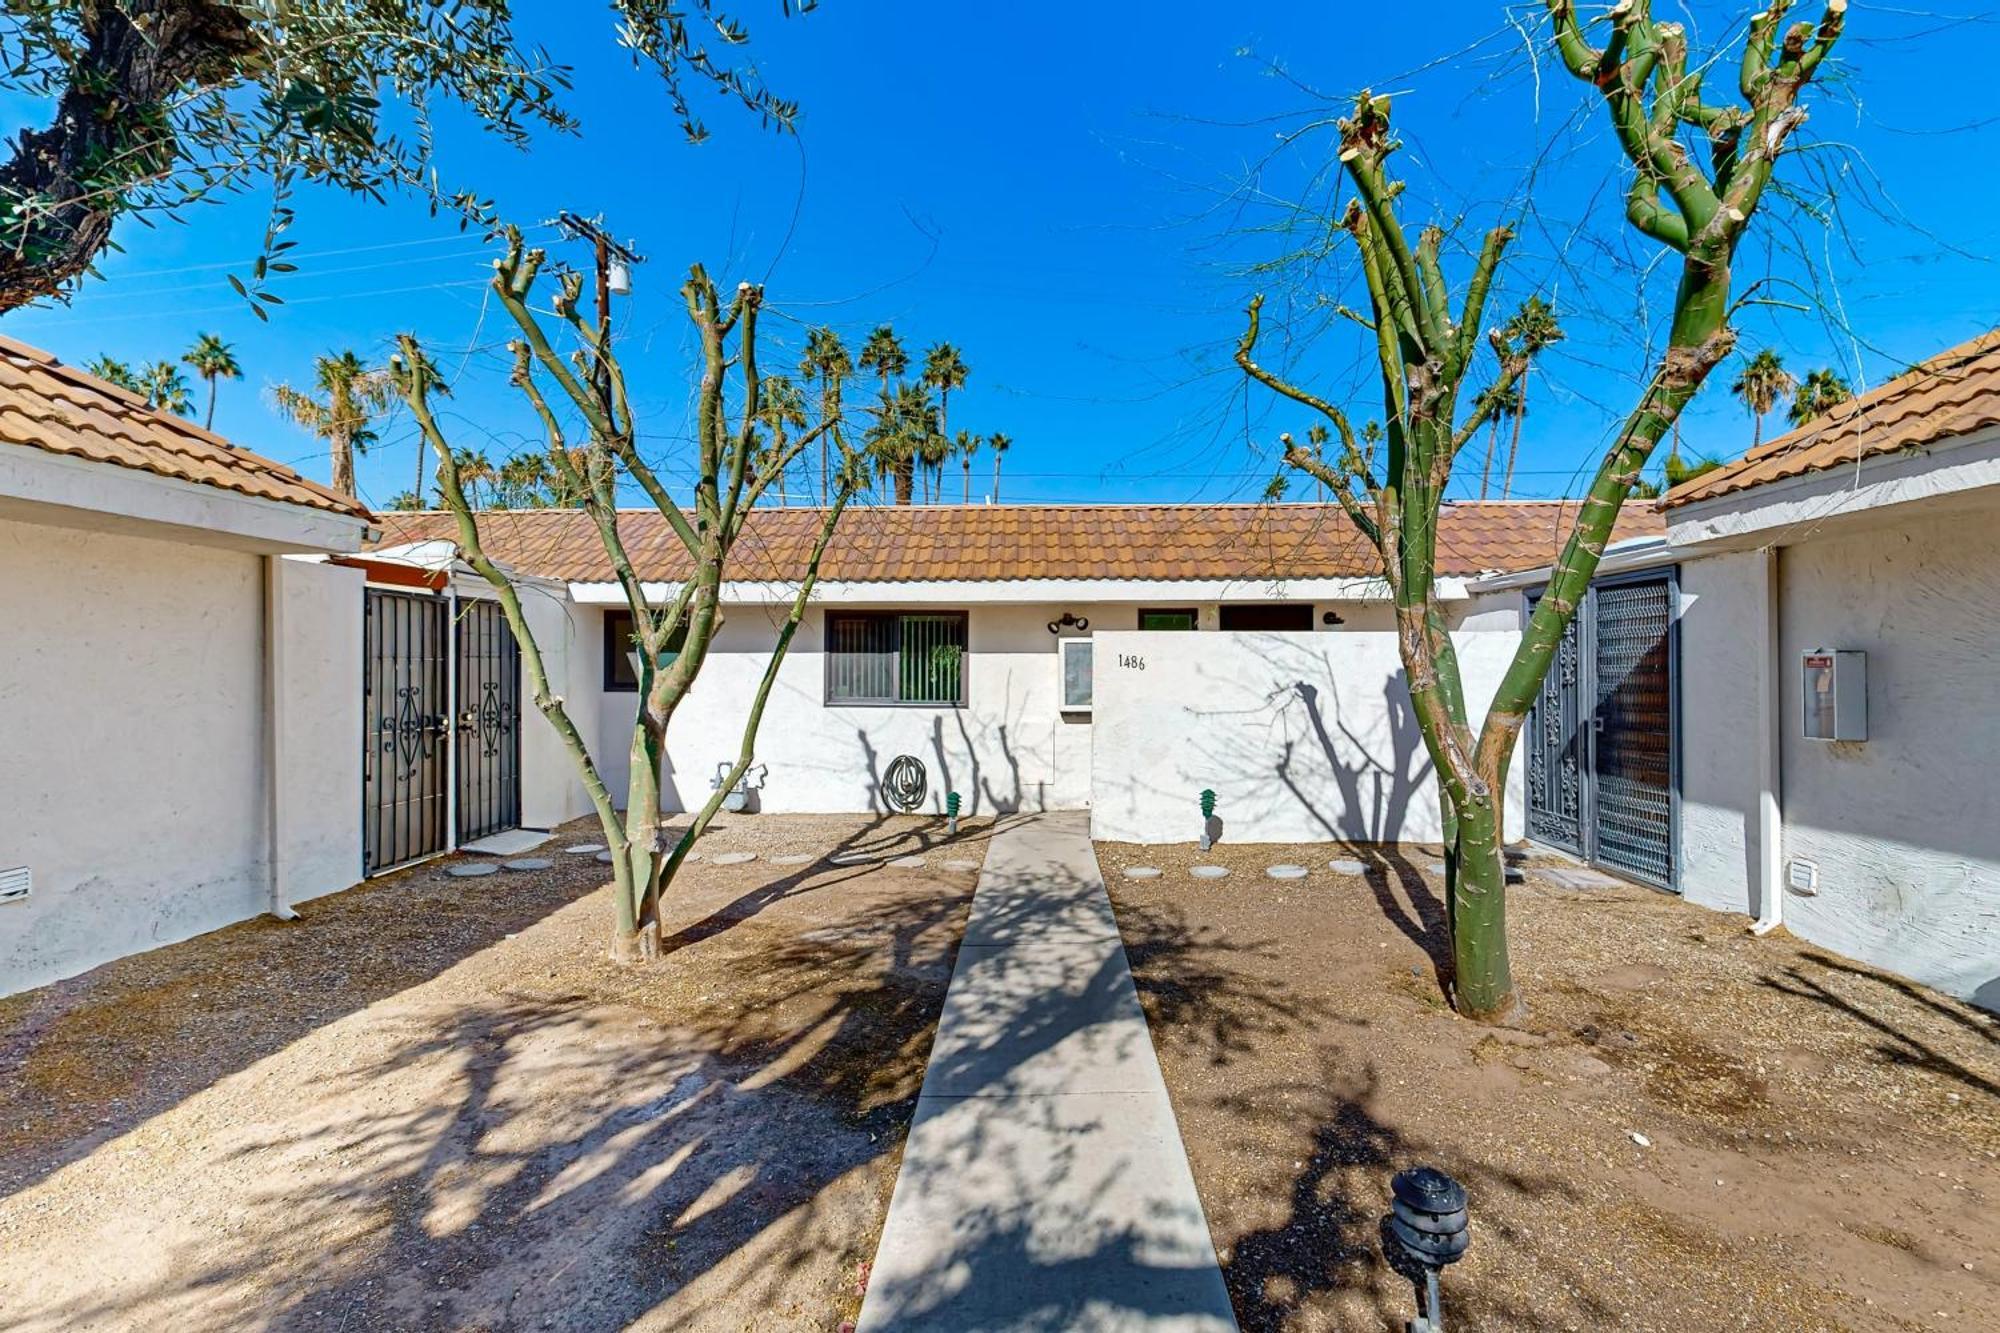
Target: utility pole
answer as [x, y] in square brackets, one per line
[614, 264]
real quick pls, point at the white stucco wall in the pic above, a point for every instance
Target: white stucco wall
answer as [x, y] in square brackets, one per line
[551, 791]
[999, 751]
[1902, 825]
[1303, 737]
[319, 695]
[133, 727]
[1721, 632]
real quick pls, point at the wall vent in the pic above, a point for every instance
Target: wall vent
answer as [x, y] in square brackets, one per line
[1803, 876]
[15, 882]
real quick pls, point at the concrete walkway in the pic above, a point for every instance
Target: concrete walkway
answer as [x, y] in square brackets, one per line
[1044, 1186]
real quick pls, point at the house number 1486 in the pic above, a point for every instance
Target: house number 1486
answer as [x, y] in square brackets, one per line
[1132, 661]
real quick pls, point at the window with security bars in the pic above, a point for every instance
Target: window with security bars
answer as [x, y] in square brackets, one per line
[893, 658]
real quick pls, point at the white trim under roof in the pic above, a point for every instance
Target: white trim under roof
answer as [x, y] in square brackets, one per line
[989, 592]
[40, 487]
[1775, 512]
[1632, 553]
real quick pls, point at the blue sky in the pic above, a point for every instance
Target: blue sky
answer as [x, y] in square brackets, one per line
[1077, 196]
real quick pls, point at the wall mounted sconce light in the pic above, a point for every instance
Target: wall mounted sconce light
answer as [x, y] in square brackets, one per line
[1070, 620]
[1331, 618]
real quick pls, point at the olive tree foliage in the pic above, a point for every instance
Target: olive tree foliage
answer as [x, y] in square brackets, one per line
[1427, 342]
[731, 466]
[161, 104]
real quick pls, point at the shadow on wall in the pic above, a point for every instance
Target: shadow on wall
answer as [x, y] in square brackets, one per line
[1343, 769]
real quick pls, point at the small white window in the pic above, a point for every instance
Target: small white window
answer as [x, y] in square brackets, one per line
[1075, 675]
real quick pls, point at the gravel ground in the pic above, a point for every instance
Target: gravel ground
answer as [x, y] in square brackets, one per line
[1690, 1129]
[433, 1103]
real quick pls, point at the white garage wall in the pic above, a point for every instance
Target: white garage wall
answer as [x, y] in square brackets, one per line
[1903, 825]
[133, 734]
[1303, 737]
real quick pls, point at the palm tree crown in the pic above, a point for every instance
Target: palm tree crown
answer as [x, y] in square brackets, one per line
[1761, 384]
[1820, 393]
[883, 353]
[212, 359]
[352, 396]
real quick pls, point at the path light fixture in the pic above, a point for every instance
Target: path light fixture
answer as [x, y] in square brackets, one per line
[1426, 1229]
[951, 803]
[1207, 818]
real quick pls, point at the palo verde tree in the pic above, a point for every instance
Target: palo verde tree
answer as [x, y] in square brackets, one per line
[155, 105]
[1426, 343]
[730, 469]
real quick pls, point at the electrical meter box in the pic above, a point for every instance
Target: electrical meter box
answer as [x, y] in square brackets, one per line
[1836, 695]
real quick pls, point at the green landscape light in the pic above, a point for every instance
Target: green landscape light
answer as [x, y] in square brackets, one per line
[951, 803]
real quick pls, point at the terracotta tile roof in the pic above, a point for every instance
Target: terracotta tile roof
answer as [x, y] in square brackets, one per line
[47, 405]
[940, 542]
[1951, 394]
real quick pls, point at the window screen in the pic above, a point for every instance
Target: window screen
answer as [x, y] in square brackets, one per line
[892, 658]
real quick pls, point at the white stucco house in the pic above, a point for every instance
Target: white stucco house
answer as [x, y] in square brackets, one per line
[1827, 708]
[177, 715]
[1119, 658]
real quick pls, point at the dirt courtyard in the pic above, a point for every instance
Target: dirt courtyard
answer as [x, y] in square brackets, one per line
[1691, 1129]
[434, 1104]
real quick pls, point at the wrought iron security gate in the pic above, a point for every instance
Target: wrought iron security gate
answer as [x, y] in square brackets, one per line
[488, 784]
[1603, 763]
[405, 714]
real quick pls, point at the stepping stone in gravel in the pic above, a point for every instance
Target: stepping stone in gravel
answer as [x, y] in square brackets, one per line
[605, 857]
[1435, 867]
[1142, 872]
[908, 863]
[585, 849]
[1346, 867]
[855, 859]
[1285, 872]
[1209, 872]
[793, 859]
[1576, 878]
[732, 858]
[528, 863]
[961, 866]
[473, 869]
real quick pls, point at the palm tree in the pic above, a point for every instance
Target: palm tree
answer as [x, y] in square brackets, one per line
[1821, 392]
[1532, 329]
[781, 407]
[825, 360]
[352, 397]
[934, 448]
[1763, 382]
[945, 370]
[883, 353]
[1317, 436]
[968, 445]
[998, 442]
[904, 420]
[212, 359]
[113, 371]
[475, 469]
[166, 389]
[1506, 403]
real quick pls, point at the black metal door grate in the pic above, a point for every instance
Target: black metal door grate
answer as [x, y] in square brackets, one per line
[489, 722]
[1600, 739]
[404, 712]
[1556, 742]
[1633, 763]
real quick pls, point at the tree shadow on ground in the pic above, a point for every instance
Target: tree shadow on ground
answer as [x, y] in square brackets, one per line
[1899, 1047]
[671, 1146]
[86, 1052]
